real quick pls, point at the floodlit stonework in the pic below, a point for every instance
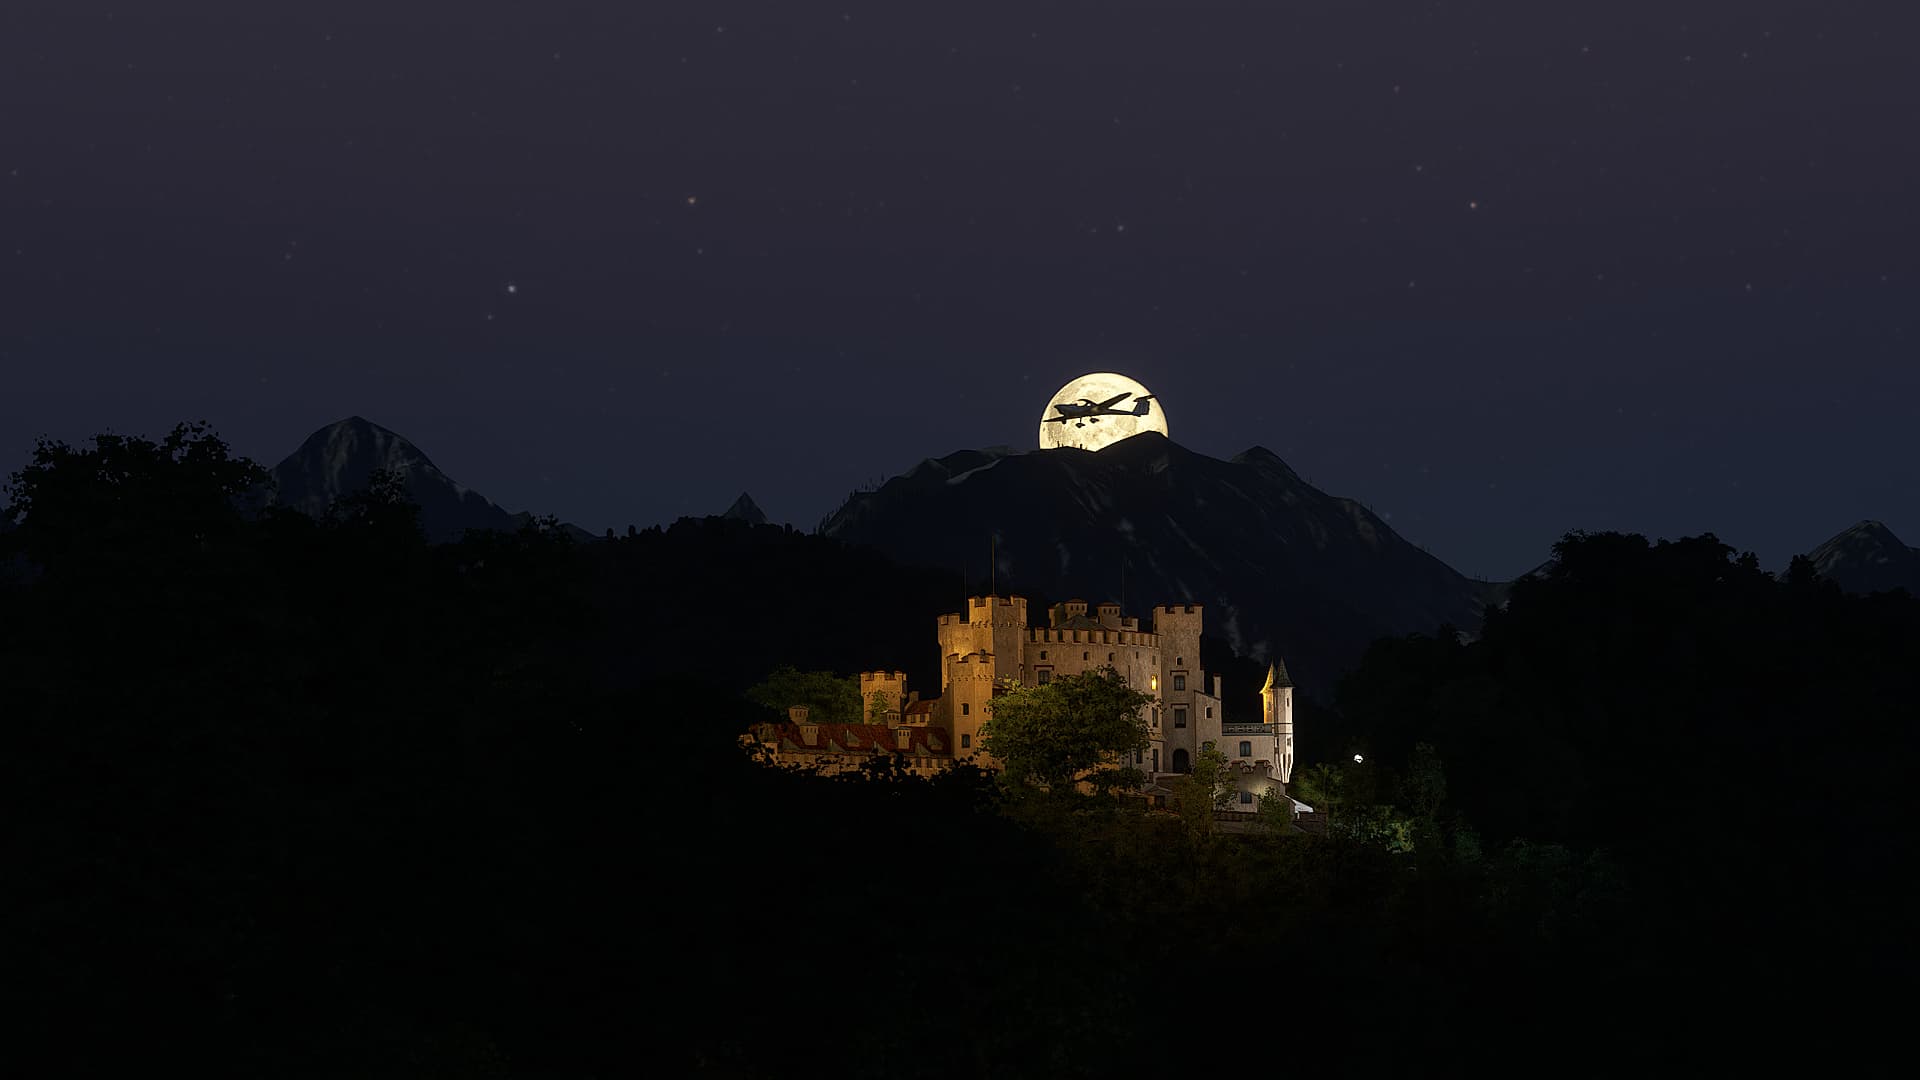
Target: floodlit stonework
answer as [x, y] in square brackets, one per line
[992, 645]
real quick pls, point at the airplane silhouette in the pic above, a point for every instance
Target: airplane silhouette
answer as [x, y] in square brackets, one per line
[1086, 411]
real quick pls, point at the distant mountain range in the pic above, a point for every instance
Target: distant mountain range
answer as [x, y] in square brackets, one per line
[1284, 569]
[340, 459]
[1868, 558]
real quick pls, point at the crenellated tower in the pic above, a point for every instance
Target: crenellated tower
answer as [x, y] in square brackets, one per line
[996, 625]
[892, 688]
[965, 704]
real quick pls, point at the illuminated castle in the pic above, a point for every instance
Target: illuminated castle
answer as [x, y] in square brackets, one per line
[991, 645]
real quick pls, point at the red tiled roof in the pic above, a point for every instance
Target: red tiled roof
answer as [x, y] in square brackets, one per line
[859, 739]
[922, 706]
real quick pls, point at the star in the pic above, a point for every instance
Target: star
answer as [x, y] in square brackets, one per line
[512, 288]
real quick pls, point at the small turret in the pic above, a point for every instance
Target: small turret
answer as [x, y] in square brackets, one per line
[1276, 703]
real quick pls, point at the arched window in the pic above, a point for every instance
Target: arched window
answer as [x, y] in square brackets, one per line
[1180, 762]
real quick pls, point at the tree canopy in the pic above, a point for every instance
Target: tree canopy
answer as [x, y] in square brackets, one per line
[1076, 728]
[289, 797]
[829, 698]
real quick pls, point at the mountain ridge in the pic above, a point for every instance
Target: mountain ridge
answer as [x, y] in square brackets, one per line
[1284, 569]
[1867, 557]
[341, 457]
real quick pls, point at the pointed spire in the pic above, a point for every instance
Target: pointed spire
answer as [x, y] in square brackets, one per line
[1276, 676]
[745, 509]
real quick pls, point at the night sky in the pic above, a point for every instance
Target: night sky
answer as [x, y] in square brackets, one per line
[1497, 269]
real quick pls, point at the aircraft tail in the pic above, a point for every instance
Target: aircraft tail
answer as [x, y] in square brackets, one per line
[1142, 405]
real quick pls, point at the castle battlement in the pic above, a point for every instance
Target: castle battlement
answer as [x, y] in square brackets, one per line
[883, 676]
[1175, 609]
[1002, 601]
[1136, 638]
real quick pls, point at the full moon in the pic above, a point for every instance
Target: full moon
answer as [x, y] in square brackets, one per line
[1099, 410]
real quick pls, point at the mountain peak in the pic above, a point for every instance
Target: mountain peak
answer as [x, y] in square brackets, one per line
[1868, 528]
[1867, 557]
[745, 509]
[341, 458]
[1285, 570]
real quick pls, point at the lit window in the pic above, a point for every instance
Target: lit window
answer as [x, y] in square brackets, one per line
[1179, 682]
[1246, 798]
[1246, 749]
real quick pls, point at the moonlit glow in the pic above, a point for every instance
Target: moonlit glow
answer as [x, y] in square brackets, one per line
[1099, 410]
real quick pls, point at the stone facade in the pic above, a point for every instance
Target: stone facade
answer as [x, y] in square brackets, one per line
[991, 645]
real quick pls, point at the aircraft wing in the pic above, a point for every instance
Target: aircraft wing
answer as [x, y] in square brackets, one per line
[1112, 401]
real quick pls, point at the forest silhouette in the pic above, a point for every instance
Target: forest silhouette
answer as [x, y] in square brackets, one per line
[298, 797]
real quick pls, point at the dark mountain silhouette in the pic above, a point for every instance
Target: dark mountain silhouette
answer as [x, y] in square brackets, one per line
[1284, 569]
[1868, 558]
[745, 509]
[340, 459]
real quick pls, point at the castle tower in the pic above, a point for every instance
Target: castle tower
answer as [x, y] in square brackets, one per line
[999, 627]
[995, 625]
[1276, 702]
[969, 693]
[1182, 712]
[892, 687]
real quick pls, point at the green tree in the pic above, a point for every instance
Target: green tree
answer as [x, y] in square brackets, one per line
[1322, 787]
[879, 707]
[128, 501]
[1207, 788]
[829, 698]
[1425, 785]
[1275, 812]
[1076, 728]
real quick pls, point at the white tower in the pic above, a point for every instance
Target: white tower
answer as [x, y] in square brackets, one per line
[1276, 701]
